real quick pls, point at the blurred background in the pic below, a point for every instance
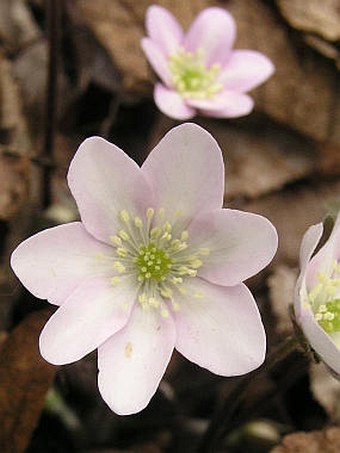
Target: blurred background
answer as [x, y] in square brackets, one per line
[70, 69]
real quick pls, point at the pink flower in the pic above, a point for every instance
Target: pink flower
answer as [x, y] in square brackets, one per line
[317, 294]
[199, 69]
[155, 264]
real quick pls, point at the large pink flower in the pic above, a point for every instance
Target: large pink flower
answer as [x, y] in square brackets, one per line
[155, 264]
[317, 294]
[199, 70]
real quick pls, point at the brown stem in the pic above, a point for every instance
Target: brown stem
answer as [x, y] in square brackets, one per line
[53, 20]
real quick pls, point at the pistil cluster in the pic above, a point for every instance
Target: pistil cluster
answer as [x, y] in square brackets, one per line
[191, 77]
[325, 299]
[157, 256]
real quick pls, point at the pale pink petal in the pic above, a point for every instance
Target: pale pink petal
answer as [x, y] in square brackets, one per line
[132, 362]
[244, 70]
[94, 311]
[157, 60]
[308, 245]
[105, 181]
[240, 245]
[323, 260]
[214, 32]
[220, 328]
[52, 263]
[171, 103]
[187, 173]
[163, 29]
[320, 341]
[227, 104]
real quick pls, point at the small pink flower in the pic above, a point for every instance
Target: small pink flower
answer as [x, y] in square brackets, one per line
[155, 264]
[317, 294]
[199, 69]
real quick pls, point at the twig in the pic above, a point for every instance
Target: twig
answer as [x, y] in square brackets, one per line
[53, 15]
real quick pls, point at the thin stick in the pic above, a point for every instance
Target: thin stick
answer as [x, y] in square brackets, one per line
[53, 21]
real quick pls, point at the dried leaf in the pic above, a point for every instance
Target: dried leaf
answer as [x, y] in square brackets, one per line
[24, 381]
[302, 91]
[294, 210]
[17, 26]
[327, 441]
[281, 289]
[322, 18]
[14, 139]
[326, 390]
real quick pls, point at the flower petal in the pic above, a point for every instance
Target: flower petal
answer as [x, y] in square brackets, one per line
[171, 103]
[244, 70]
[320, 341]
[157, 60]
[214, 32]
[94, 311]
[132, 362]
[187, 173]
[219, 328]
[240, 245]
[52, 263]
[323, 260]
[104, 181]
[308, 245]
[227, 104]
[163, 29]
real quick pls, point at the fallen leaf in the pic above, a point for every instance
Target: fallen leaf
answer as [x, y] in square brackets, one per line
[326, 390]
[327, 441]
[322, 18]
[281, 285]
[24, 381]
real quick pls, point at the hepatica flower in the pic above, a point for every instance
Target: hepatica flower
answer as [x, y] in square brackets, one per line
[317, 295]
[199, 70]
[155, 264]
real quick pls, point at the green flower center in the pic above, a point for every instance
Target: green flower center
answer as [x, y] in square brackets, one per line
[191, 77]
[328, 316]
[152, 263]
[157, 255]
[324, 299]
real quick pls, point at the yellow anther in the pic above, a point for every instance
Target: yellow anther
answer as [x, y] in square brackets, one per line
[155, 233]
[175, 306]
[124, 215]
[142, 298]
[204, 251]
[167, 227]
[153, 302]
[196, 264]
[182, 290]
[150, 213]
[164, 313]
[119, 267]
[128, 350]
[116, 240]
[124, 235]
[198, 294]
[115, 281]
[184, 236]
[138, 222]
[166, 292]
[177, 280]
[121, 251]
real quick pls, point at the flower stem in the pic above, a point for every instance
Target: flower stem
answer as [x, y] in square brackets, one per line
[220, 422]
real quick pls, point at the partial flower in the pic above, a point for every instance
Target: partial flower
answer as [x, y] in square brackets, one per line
[199, 70]
[155, 264]
[317, 294]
